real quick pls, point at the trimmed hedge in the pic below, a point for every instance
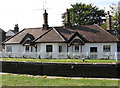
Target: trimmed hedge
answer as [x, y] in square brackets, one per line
[63, 69]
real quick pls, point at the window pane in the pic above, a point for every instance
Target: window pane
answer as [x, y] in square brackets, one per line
[93, 49]
[9, 48]
[106, 48]
[60, 48]
[48, 48]
[27, 48]
[76, 48]
[81, 49]
[31, 48]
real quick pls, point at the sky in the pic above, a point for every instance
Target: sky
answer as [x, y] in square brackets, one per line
[29, 13]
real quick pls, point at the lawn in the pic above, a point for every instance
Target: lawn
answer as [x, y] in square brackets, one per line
[59, 60]
[23, 80]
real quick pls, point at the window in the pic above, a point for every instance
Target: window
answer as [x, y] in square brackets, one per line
[118, 47]
[81, 49]
[36, 48]
[9, 48]
[106, 48]
[93, 49]
[31, 48]
[48, 48]
[76, 48]
[60, 48]
[27, 48]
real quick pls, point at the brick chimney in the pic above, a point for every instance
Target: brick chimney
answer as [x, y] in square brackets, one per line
[45, 19]
[16, 28]
[67, 19]
[108, 22]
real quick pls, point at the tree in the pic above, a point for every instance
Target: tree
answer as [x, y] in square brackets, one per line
[82, 14]
[115, 10]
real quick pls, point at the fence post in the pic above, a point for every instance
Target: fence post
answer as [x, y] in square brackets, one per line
[116, 56]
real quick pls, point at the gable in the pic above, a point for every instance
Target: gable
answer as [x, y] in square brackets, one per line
[76, 39]
[10, 33]
[27, 37]
[27, 40]
[77, 36]
[50, 36]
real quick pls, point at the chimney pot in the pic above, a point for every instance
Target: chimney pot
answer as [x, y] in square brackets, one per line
[45, 11]
[107, 12]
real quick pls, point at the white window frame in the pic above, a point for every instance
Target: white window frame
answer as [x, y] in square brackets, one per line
[8, 48]
[27, 48]
[106, 48]
[60, 49]
[76, 48]
[31, 49]
[49, 48]
[93, 49]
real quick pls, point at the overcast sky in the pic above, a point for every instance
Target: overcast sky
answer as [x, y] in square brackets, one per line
[29, 13]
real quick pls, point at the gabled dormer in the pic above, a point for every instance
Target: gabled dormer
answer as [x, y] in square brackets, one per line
[77, 39]
[27, 40]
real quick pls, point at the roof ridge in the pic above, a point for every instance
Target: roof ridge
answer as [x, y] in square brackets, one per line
[107, 32]
[59, 34]
[42, 35]
[34, 28]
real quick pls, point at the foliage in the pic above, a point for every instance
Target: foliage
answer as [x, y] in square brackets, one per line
[17, 80]
[115, 20]
[82, 14]
[103, 25]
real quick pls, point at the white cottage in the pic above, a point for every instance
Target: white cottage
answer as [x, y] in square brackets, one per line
[85, 41]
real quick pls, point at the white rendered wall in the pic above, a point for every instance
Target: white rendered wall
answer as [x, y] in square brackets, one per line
[86, 48]
[17, 49]
[99, 46]
[55, 46]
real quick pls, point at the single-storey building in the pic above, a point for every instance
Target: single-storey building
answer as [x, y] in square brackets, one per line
[67, 41]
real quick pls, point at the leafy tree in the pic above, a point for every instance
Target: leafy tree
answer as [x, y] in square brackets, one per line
[82, 14]
[115, 10]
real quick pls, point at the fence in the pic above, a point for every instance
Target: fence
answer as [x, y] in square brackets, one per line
[62, 69]
[72, 55]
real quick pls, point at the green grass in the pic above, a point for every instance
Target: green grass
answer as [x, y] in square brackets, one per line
[59, 60]
[10, 80]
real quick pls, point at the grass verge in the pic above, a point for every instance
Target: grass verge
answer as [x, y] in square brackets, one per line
[59, 60]
[24, 80]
